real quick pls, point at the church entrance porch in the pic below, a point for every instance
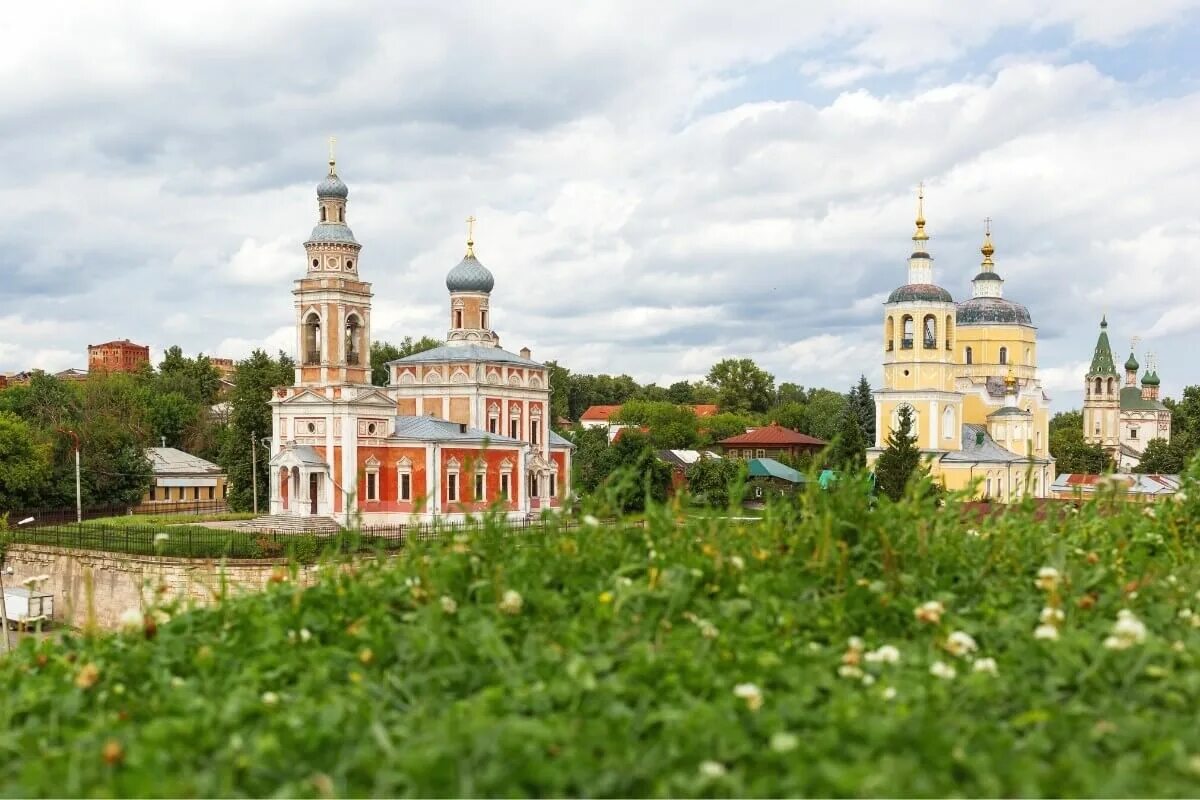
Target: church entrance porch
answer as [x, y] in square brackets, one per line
[301, 487]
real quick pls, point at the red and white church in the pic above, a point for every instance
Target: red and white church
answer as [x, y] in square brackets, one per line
[458, 429]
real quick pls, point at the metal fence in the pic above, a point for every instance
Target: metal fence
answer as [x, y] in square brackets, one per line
[196, 541]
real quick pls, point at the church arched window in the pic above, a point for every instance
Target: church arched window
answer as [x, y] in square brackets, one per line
[907, 324]
[948, 423]
[891, 333]
[930, 331]
[1099, 390]
[341, 215]
[353, 334]
[1111, 383]
[322, 213]
[949, 332]
[1003, 355]
[312, 339]
[458, 318]
[483, 319]
[969, 355]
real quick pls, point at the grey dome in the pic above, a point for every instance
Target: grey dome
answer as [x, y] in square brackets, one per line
[470, 276]
[914, 292]
[992, 311]
[332, 186]
[332, 232]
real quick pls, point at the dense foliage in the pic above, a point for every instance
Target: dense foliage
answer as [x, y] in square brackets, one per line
[1071, 453]
[383, 352]
[830, 648]
[900, 460]
[249, 424]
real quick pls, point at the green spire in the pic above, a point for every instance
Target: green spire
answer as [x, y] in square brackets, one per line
[1102, 360]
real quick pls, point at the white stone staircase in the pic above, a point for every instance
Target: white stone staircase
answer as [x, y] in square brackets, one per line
[291, 523]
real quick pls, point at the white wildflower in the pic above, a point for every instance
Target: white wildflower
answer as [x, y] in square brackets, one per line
[1178, 646]
[1127, 631]
[159, 538]
[590, 521]
[987, 665]
[177, 682]
[855, 643]
[940, 669]
[1051, 616]
[960, 644]
[850, 671]
[624, 581]
[305, 634]
[1185, 613]
[35, 581]
[132, 618]
[1047, 632]
[889, 693]
[737, 563]
[712, 769]
[511, 602]
[270, 699]
[930, 612]
[707, 629]
[784, 742]
[1047, 579]
[449, 606]
[974, 534]
[868, 679]
[751, 694]
[885, 654]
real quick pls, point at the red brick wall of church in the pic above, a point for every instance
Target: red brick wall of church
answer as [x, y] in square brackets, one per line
[389, 479]
[563, 488]
[468, 458]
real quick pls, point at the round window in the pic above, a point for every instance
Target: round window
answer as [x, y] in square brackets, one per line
[312, 427]
[906, 373]
[371, 428]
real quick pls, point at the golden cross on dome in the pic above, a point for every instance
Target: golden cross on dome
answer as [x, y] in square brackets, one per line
[987, 226]
[471, 235]
[1134, 342]
[332, 160]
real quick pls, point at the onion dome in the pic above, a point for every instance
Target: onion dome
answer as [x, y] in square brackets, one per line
[1151, 379]
[332, 232]
[332, 186]
[987, 305]
[469, 275]
[915, 292]
[1132, 364]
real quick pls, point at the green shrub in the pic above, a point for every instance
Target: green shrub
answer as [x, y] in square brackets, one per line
[692, 656]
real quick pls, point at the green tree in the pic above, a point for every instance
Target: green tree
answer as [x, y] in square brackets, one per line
[1166, 458]
[742, 385]
[790, 393]
[862, 400]
[669, 426]
[793, 416]
[1071, 453]
[559, 379]
[900, 461]
[680, 393]
[722, 426]
[249, 422]
[24, 464]
[849, 451]
[383, 352]
[637, 475]
[711, 480]
[195, 379]
[824, 410]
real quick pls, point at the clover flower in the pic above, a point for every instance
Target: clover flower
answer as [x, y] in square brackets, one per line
[707, 629]
[270, 699]
[712, 769]
[751, 694]
[940, 669]
[889, 693]
[1047, 579]
[985, 665]
[1051, 616]
[1127, 631]
[737, 563]
[784, 742]
[1047, 632]
[132, 618]
[511, 602]
[930, 612]
[960, 644]
[590, 521]
[449, 606]
[884, 654]
[849, 671]
[161, 537]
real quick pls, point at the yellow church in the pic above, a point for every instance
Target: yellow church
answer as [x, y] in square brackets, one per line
[968, 373]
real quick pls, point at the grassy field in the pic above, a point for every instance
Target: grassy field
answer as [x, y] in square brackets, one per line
[165, 520]
[826, 649]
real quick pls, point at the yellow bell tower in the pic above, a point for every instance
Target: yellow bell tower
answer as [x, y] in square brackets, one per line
[919, 368]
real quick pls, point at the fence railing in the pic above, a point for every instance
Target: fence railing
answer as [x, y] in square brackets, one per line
[60, 516]
[194, 541]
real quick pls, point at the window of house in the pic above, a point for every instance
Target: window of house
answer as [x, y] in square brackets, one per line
[452, 487]
[505, 487]
[152, 492]
[406, 486]
[760, 453]
[533, 431]
[533, 486]
[212, 492]
[514, 428]
[195, 492]
[225, 491]
[1133, 433]
[553, 485]
[372, 486]
[480, 480]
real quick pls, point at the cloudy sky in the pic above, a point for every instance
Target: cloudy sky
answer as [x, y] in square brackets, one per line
[658, 185]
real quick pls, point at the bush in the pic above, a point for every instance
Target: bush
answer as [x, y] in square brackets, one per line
[829, 648]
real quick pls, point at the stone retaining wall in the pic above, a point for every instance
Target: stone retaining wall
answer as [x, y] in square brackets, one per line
[93, 587]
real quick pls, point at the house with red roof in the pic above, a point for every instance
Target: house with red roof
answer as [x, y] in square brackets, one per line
[602, 417]
[772, 441]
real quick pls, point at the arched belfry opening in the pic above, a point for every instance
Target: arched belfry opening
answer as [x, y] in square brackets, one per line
[312, 338]
[353, 340]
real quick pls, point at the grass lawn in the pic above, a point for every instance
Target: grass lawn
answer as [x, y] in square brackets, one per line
[826, 649]
[165, 520]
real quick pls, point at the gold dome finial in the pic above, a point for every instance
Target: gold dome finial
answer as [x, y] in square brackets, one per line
[471, 236]
[920, 235]
[1010, 381]
[987, 249]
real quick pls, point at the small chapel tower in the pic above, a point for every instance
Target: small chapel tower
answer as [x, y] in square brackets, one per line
[333, 307]
[1102, 396]
[470, 284]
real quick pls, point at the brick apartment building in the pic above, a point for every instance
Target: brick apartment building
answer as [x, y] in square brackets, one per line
[120, 355]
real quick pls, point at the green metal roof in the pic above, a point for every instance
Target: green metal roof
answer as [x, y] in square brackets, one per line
[1102, 359]
[770, 468]
[1131, 400]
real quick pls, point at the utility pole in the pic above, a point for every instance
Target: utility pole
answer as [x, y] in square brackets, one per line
[254, 468]
[78, 494]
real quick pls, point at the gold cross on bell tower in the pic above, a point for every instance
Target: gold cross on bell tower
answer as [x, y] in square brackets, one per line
[471, 236]
[332, 160]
